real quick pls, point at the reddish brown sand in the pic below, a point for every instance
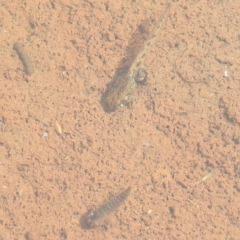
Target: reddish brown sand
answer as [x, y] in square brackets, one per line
[63, 155]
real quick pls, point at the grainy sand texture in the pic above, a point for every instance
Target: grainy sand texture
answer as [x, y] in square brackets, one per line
[178, 144]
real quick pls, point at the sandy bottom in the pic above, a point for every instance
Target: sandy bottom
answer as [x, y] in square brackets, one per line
[178, 146]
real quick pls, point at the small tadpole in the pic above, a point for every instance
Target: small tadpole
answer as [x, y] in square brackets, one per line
[89, 219]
